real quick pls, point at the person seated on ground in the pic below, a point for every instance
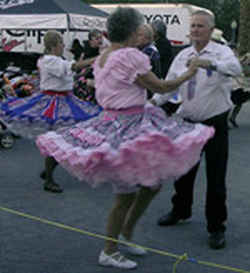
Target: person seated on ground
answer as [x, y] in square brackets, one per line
[20, 85]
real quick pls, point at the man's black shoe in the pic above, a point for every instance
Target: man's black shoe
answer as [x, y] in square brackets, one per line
[217, 240]
[170, 219]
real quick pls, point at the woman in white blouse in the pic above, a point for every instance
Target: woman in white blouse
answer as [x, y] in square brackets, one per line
[54, 105]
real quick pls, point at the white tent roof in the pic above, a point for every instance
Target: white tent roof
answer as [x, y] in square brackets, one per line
[50, 14]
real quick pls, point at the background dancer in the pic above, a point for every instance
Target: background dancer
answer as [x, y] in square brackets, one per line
[145, 44]
[241, 89]
[55, 105]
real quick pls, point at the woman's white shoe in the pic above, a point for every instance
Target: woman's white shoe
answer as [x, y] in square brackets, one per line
[134, 250]
[116, 260]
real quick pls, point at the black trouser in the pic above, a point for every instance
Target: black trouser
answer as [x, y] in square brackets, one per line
[216, 155]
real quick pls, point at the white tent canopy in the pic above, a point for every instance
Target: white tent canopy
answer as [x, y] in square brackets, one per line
[50, 14]
[24, 22]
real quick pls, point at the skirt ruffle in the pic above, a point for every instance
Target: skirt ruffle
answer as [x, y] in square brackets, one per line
[41, 112]
[127, 148]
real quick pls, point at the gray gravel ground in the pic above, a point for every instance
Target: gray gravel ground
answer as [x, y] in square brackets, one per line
[31, 245]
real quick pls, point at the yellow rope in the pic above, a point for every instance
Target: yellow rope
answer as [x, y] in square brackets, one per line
[184, 257]
[179, 258]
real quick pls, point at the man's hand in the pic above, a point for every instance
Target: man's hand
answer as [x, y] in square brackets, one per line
[202, 63]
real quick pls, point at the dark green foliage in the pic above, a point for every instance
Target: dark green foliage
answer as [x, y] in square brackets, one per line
[244, 37]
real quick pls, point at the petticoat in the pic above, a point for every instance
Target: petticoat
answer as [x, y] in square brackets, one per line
[44, 111]
[137, 146]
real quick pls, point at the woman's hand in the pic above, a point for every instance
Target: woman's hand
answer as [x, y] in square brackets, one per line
[90, 83]
[80, 64]
[192, 65]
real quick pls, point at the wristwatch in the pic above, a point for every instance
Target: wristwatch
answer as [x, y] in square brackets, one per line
[213, 67]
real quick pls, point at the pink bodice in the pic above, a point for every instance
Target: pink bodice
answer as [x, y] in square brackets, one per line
[115, 82]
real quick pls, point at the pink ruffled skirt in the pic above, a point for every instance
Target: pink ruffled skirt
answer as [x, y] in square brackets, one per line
[137, 146]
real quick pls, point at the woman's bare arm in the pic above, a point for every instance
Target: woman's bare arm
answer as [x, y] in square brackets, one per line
[82, 63]
[152, 82]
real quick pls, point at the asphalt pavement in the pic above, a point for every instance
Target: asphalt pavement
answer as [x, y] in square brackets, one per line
[42, 232]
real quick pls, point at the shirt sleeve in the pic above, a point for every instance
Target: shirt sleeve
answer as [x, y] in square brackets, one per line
[133, 63]
[228, 64]
[59, 67]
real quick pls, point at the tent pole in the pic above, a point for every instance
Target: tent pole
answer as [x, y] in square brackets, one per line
[25, 41]
[1, 39]
[68, 34]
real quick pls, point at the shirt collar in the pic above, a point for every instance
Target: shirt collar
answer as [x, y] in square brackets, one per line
[206, 50]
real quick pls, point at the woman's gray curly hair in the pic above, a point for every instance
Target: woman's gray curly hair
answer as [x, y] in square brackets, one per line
[51, 39]
[122, 23]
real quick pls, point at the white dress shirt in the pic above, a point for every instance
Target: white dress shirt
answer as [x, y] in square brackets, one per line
[212, 88]
[55, 73]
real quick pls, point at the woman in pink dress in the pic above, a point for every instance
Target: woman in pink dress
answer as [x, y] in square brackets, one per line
[132, 145]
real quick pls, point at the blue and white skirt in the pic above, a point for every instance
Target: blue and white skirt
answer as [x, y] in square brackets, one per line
[45, 111]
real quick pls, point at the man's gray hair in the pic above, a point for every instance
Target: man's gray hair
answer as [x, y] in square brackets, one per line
[122, 23]
[208, 14]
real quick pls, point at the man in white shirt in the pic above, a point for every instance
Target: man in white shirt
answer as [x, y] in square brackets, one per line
[206, 99]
